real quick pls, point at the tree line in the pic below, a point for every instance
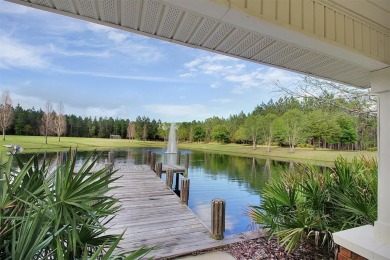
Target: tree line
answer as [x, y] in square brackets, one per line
[317, 114]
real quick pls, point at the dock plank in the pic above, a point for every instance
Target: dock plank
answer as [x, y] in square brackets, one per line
[152, 215]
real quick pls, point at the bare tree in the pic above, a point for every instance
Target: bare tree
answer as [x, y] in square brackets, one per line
[351, 100]
[59, 122]
[6, 112]
[130, 130]
[47, 121]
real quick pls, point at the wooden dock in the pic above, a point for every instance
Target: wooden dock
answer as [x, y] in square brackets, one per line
[175, 168]
[152, 215]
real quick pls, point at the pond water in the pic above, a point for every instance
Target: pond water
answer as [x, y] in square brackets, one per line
[237, 180]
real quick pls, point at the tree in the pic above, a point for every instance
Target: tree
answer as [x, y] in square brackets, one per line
[267, 129]
[321, 126]
[220, 134]
[145, 132]
[199, 133]
[348, 129]
[6, 112]
[252, 126]
[59, 121]
[291, 127]
[47, 121]
[130, 130]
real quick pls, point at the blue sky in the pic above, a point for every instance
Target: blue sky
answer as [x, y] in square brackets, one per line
[99, 71]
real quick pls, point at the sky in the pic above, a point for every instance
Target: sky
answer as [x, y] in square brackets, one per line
[99, 71]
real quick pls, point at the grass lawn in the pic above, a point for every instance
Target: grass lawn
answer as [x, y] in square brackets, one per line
[32, 144]
[280, 153]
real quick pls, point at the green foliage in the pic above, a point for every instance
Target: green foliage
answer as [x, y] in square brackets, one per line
[199, 133]
[52, 212]
[311, 203]
[330, 114]
[220, 134]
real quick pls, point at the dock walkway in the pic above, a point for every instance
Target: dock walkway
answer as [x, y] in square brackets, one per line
[152, 215]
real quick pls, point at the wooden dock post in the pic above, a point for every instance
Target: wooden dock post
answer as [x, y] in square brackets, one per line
[109, 167]
[153, 161]
[73, 153]
[218, 207]
[61, 157]
[111, 158]
[158, 169]
[169, 178]
[185, 190]
[187, 161]
[178, 155]
[148, 156]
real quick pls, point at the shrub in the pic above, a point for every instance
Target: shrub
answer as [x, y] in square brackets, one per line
[48, 213]
[312, 203]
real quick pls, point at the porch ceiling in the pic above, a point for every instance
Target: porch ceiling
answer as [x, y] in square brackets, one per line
[177, 24]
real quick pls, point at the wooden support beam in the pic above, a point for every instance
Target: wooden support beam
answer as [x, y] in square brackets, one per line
[111, 158]
[218, 207]
[178, 155]
[158, 169]
[187, 161]
[148, 156]
[153, 161]
[169, 178]
[185, 191]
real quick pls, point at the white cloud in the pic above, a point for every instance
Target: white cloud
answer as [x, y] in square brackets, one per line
[261, 79]
[119, 76]
[117, 37]
[186, 75]
[177, 112]
[16, 54]
[216, 65]
[234, 73]
[221, 100]
[120, 112]
[58, 51]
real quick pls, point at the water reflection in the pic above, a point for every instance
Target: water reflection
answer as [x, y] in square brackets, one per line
[238, 180]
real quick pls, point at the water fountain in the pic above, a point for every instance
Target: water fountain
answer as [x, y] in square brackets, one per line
[171, 153]
[172, 142]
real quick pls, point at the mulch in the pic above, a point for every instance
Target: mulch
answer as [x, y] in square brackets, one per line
[262, 248]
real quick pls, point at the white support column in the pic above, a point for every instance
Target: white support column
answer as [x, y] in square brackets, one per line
[373, 242]
[380, 84]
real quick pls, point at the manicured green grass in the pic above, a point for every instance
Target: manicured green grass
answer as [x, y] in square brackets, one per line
[280, 153]
[32, 144]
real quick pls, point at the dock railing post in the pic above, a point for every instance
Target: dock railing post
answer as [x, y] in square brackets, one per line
[169, 178]
[153, 161]
[73, 153]
[109, 167]
[148, 155]
[61, 157]
[185, 190]
[178, 155]
[158, 169]
[218, 207]
[111, 158]
[186, 164]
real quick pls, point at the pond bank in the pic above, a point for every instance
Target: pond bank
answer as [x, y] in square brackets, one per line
[33, 144]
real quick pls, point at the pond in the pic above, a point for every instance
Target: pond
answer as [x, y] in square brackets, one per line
[238, 180]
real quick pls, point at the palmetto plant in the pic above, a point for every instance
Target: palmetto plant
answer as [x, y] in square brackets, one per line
[312, 203]
[48, 213]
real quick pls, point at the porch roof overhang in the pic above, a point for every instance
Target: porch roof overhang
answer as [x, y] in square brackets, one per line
[322, 38]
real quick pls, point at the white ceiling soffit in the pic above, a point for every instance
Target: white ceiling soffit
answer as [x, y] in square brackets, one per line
[174, 23]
